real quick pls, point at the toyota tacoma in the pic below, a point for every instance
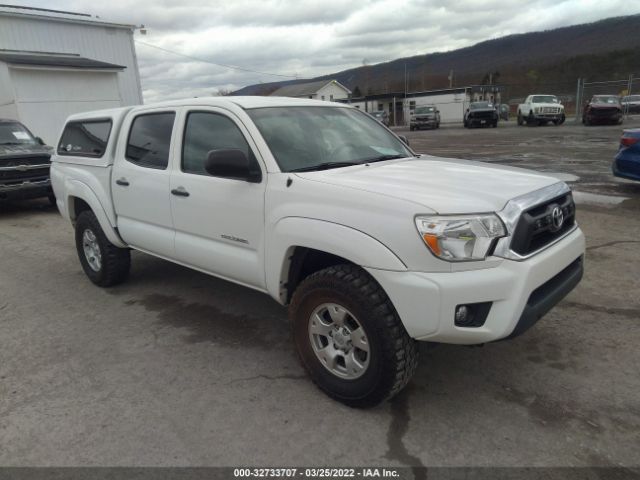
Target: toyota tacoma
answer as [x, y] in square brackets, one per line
[372, 246]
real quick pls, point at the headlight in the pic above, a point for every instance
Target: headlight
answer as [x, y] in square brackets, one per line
[460, 238]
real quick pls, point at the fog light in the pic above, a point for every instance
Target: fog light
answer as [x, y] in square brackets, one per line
[462, 314]
[471, 314]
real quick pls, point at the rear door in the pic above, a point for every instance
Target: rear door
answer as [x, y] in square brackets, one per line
[219, 222]
[140, 182]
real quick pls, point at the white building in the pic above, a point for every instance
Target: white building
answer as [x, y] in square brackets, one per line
[327, 90]
[450, 102]
[54, 64]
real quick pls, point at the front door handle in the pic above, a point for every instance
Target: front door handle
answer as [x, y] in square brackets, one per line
[180, 192]
[122, 181]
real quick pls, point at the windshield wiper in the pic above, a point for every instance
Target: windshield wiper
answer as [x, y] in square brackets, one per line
[324, 166]
[382, 158]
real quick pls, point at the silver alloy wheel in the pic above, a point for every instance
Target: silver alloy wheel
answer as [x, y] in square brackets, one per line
[339, 341]
[91, 250]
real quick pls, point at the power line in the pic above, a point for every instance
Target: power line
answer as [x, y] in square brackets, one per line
[232, 67]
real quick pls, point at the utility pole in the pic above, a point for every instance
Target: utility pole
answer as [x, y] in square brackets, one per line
[404, 103]
[578, 101]
[450, 78]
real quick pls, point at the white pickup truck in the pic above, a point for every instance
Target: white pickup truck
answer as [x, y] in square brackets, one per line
[370, 245]
[541, 109]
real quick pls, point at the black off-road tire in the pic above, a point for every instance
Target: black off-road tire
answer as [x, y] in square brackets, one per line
[115, 262]
[520, 119]
[393, 354]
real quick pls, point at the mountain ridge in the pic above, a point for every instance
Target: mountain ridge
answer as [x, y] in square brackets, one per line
[517, 59]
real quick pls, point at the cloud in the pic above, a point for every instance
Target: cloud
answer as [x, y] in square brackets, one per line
[307, 38]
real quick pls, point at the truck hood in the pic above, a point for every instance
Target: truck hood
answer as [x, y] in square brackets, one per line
[446, 186]
[20, 151]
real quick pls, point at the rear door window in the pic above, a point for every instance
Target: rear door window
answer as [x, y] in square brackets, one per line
[150, 140]
[87, 138]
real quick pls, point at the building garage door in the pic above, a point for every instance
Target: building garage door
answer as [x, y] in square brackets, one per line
[46, 97]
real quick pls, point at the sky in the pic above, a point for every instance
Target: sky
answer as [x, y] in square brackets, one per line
[281, 40]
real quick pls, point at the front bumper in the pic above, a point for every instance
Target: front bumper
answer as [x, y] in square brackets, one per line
[481, 121]
[26, 190]
[550, 117]
[520, 292]
[423, 123]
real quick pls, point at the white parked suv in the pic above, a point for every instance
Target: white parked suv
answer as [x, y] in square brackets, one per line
[370, 245]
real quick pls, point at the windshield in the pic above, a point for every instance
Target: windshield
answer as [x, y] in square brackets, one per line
[544, 99]
[611, 99]
[477, 105]
[425, 109]
[15, 134]
[321, 137]
[378, 114]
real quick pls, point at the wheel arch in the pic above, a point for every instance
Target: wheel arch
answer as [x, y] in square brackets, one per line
[80, 198]
[300, 246]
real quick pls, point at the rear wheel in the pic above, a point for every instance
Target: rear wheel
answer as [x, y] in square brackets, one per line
[103, 262]
[520, 119]
[349, 337]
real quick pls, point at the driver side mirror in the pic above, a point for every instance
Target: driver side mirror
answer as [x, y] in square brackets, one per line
[40, 141]
[231, 163]
[404, 139]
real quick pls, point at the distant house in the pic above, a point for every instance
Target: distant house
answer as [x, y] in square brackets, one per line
[326, 90]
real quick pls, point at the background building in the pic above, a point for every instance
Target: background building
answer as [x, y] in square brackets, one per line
[54, 64]
[451, 102]
[327, 90]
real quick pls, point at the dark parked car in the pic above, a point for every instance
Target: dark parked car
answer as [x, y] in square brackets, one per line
[481, 114]
[626, 163]
[24, 163]
[602, 109]
[425, 117]
[631, 104]
[381, 116]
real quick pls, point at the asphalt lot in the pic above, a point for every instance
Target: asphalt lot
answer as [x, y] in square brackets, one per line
[177, 368]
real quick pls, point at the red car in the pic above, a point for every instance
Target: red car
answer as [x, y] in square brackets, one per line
[603, 109]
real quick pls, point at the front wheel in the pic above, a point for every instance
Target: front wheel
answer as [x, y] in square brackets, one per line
[103, 262]
[349, 337]
[520, 119]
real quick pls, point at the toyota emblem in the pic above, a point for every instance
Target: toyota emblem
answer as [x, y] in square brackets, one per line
[557, 218]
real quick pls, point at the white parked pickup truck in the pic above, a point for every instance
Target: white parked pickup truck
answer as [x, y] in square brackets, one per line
[541, 109]
[370, 245]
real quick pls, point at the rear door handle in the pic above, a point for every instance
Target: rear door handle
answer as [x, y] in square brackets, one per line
[122, 181]
[180, 192]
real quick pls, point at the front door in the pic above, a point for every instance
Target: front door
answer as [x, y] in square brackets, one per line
[140, 183]
[219, 222]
